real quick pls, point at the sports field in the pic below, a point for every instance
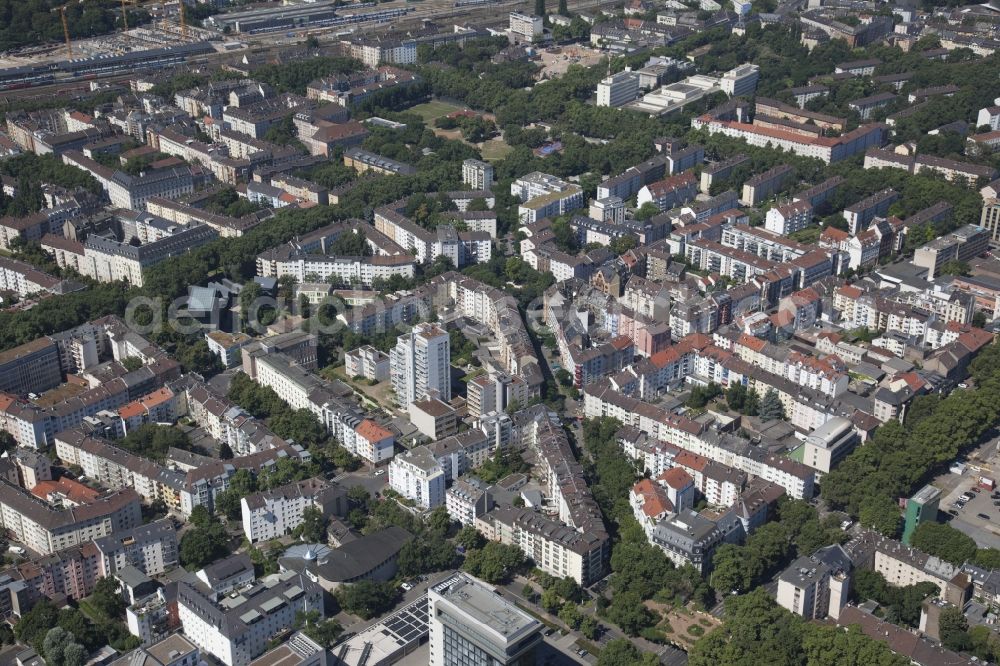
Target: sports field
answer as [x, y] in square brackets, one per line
[435, 109]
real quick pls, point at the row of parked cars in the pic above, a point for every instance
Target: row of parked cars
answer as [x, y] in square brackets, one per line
[969, 495]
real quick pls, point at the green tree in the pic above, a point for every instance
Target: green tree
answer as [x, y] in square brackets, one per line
[154, 441]
[881, 514]
[621, 652]
[771, 407]
[953, 628]
[944, 541]
[732, 569]
[495, 562]
[563, 8]
[431, 552]
[988, 558]
[469, 538]
[550, 600]
[646, 211]
[367, 598]
[629, 613]
[954, 268]
[570, 614]
[539, 7]
[200, 517]
[34, 624]
[83, 630]
[588, 627]
[756, 631]
[107, 599]
[61, 649]
[564, 237]
[833, 646]
[202, 545]
[313, 526]
[623, 244]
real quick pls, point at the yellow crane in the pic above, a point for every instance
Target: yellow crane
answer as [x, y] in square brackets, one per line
[62, 15]
[124, 16]
[184, 28]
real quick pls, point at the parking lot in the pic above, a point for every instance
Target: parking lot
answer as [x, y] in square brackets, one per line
[978, 515]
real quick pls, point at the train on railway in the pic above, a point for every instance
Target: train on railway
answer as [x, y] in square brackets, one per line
[105, 65]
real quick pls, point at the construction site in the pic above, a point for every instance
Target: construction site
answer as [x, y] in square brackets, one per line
[167, 28]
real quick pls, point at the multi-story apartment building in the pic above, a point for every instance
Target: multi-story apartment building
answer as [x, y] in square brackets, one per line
[960, 245]
[539, 429]
[740, 81]
[766, 184]
[370, 441]
[363, 160]
[526, 27]
[544, 196]
[24, 279]
[556, 549]
[494, 392]
[718, 172]
[237, 630]
[72, 572]
[860, 215]
[688, 538]
[180, 491]
[990, 219]
[274, 513]
[416, 475]
[827, 149]
[462, 247]
[865, 107]
[618, 89]
[789, 218]
[477, 174]
[497, 311]
[420, 363]
[367, 362]
[46, 530]
[816, 586]
[150, 548]
[227, 422]
[611, 210]
[467, 500]
[670, 192]
[798, 480]
[376, 52]
[133, 191]
[108, 260]
[30, 368]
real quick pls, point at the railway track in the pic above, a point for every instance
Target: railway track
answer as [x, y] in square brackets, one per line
[480, 15]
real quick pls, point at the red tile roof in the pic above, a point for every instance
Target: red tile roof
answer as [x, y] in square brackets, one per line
[75, 491]
[675, 477]
[654, 500]
[372, 431]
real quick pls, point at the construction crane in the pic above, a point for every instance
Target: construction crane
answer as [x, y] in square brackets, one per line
[124, 16]
[69, 47]
[184, 28]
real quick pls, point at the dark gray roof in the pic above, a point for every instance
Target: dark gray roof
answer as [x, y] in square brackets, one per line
[356, 559]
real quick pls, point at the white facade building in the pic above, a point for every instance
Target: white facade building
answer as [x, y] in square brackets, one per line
[525, 26]
[618, 89]
[236, 630]
[274, 513]
[469, 623]
[478, 175]
[417, 475]
[421, 362]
